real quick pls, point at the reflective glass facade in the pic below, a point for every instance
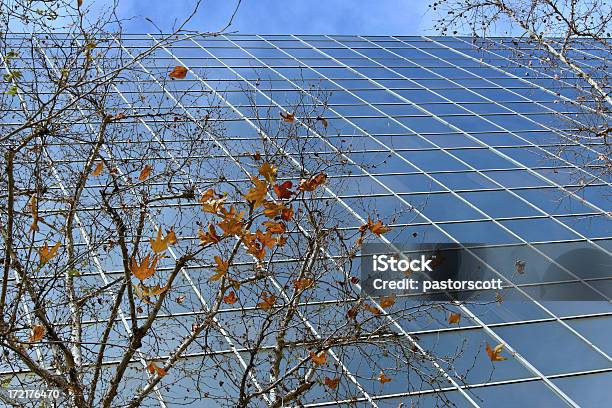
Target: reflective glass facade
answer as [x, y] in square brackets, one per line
[453, 142]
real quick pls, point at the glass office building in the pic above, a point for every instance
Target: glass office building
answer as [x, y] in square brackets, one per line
[449, 141]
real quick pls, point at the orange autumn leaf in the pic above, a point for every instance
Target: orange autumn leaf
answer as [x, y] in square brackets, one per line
[154, 369]
[98, 170]
[143, 292]
[143, 270]
[268, 171]
[352, 312]
[376, 227]
[33, 205]
[282, 190]
[159, 244]
[274, 227]
[38, 332]
[267, 301]
[387, 301]
[154, 290]
[266, 240]
[313, 182]
[302, 284]
[46, 254]
[272, 209]
[494, 354]
[209, 237]
[287, 214]
[179, 72]
[372, 309]
[250, 241]
[331, 382]
[288, 117]
[207, 195]
[257, 194]
[230, 298]
[322, 120]
[171, 236]
[221, 269]
[281, 241]
[210, 203]
[454, 318]
[232, 222]
[382, 378]
[318, 359]
[145, 172]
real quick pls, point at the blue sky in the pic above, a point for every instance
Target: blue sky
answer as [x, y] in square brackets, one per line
[399, 17]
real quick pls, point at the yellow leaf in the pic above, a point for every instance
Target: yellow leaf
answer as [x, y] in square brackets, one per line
[281, 241]
[221, 269]
[145, 173]
[318, 359]
[46, 254]
[268, 171]
[154, 369]
[38, 332]
[143, 270]
[179, 72]
[257, 194]
[98, 170]
[494, 354]
[454, 318]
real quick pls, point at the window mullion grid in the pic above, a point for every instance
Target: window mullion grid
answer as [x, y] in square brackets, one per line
[103, 275]
[512, 111]
[493, 334]
[351, 210]
[465, 309]
[501, 70]
[520, 165]
[224, 148]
